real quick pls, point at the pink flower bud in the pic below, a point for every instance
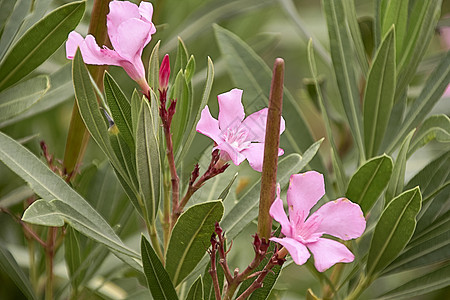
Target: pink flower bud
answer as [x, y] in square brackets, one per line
[164, 73]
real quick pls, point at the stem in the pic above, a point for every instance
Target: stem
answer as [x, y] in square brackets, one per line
[49, 255]
[271, 145]
[173, 172]
[328, 291]
[166, 223]
[213, 272]
[155, 242]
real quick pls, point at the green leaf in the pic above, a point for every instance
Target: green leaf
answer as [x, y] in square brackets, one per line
[196, 290]
[61, 89]
[198, 109]
[39, 42]
[395, 13]
[246, 210]
[9, 266]
[208, 287]
[190, 238]
[148, 162]
[397, 181]
[182, 56]
[190, 69]
[421, 26]
[180, 92]
[72, 255]
[436, 127]
[6, 8]
[369, 181]
[393, 231]
[13, 25]
[251, 74]
[50, 186]
[379, 94]
[432, 281]
[158, 280]
[120, 109]
[153, 68]
[135, 109]
[342, 57]
[433, 89]
[19, 98]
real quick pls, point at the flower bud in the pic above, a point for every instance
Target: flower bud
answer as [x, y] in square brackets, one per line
[164, 73]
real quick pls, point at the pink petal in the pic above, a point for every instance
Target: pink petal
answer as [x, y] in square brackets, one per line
[256, 125]
[119, 12]
[255, 155]
[146, 12]
[209, 126]
[91, 52]
[131, 38]
[327, 252]
[296, 249]
[305, 189]
[277, 212]
[231, 111]
[341, 218]
[234, 154]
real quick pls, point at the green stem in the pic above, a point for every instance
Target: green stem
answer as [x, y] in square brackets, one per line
[271, 145]
[166, 218]
[33, 271]
[155, 242]
[364, 282]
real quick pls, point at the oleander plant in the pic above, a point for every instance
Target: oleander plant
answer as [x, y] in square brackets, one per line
[210, 149]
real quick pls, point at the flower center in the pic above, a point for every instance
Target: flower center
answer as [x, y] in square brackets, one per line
[306, 232]
[236, 137]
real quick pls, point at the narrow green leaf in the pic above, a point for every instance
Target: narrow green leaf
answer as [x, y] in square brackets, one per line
[190, 238]
[182, 56]
[369, 181]
[72, 255]
[395, 13]
[50, 186]
[153, 68]
[135, 109]
[39, 42]
[246, 210]
[19, 98]
[432, 91]
[393, 231]
[251, 73]
[342, 57]
[397, 180]
[421, 26]
[12, 26]
[379, 94]
[180, 92]
[120, 109]
[436, 127]
[9, 266]
[432, 281]
[158, 280]
[16, 196]
[148, 162]
[196, 290]
[6, 8]
[197, 109]
[61, 89]
[190, 69]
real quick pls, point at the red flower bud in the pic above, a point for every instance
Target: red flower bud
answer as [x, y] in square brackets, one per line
[164, 73]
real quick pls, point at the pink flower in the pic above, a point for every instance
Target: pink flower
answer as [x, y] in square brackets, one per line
[164, 73]
[237, 139]
[130, 29]
[340, 218]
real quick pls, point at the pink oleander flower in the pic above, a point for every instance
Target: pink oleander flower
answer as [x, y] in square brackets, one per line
[130, 29]
[237, 139]
[164, 73]
[340, 218]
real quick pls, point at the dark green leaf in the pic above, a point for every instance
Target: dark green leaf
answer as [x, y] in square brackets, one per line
[190, 238]
[379, 94]
[190, 69]
[72, 255]
[369, 181]
[12, 26]
[39, 42]
[158, 280]
[393, 231]
[395, 13]
[180, 92]
[196, 290]
[153, 68]
[182, 56]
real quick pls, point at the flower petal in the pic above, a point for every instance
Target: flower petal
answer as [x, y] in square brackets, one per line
[119, 12]
[341, 218]
[131, 38]
[234, 154]
[209, 126]
[255, 155]
[327, 252]
[231, 111]
[91, 52]
[296, 249]
[305, 189]
[277, 212]
[146, 12]
[255, 125]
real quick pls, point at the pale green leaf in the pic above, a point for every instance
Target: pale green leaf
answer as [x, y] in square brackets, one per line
[436, 127]
[395, 13]
[12, 26]
[196, 290]
[190, 238]
[19, 98]
[153, 68]
[179, 92]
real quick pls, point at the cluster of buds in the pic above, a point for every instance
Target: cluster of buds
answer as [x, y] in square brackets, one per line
[165, 113]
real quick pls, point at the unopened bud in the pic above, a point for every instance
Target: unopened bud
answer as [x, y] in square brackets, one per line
[164, 73]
